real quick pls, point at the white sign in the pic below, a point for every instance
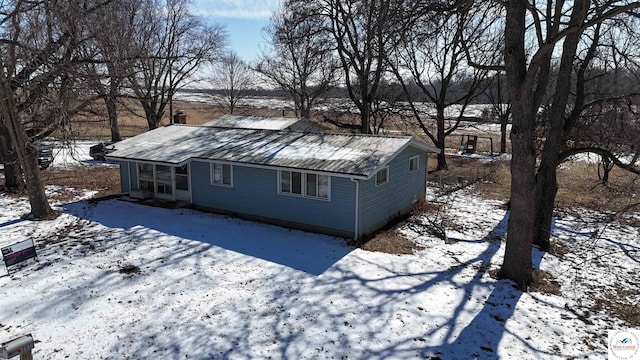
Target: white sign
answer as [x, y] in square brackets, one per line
[624, 344]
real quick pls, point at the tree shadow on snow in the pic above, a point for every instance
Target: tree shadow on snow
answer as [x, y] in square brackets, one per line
[355, 300]
[308, 252]
[479, 338]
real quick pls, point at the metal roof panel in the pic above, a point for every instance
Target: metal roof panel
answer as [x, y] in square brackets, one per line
[352, 154]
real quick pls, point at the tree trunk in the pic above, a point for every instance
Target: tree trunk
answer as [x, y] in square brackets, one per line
[13, 180]
[546, 190]
[25, 151]
[547, 183]
[504, 119]
[154, 118]
[305, 113]
[112, 113]
[517, 264]
[364, 116]
[442, 159]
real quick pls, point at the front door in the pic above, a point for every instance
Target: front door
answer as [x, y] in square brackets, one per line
[181, 180]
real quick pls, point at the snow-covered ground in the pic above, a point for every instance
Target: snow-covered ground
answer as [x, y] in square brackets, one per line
[72, 154]
[214, 287]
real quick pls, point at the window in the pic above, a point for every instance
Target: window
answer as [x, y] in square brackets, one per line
[182, 178]
[145, 177]
[291, 182]
[163, 179]
[414, 163]
[145, 171]
[308, 185]
[382, 177]
[317, 186]
[146, 185]
[221, 174]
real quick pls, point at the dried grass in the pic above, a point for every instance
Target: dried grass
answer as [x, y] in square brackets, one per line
[544, 282]
[132, 121]
[104, 179]
[391, 242]
[578, 187]
[621, 303]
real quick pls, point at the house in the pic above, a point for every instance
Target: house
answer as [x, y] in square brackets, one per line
[340, 184]
[266, 123]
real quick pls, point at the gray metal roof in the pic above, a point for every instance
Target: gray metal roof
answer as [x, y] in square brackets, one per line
[350, 154]
[252, 122]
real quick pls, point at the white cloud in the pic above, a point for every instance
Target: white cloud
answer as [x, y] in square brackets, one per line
[239, 9]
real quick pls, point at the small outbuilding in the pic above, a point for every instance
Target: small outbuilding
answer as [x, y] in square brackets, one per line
[347, 185]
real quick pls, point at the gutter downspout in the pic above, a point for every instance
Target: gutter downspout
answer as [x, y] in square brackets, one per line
[356, 232]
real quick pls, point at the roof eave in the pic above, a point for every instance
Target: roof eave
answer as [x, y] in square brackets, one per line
[424, 146]
[160, 162]
[412, 142]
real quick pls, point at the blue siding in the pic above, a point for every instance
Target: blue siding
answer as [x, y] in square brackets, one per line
[255, 193]
[124, 176]
[378, 204]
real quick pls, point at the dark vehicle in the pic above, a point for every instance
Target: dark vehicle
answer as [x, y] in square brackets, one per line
[99, 151]
[45, 155]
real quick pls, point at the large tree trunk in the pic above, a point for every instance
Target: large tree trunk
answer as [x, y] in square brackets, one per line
[154, 117]
[25, 151]
[440, 136]
[364, 116]
[546, 190]
[13, 180]
[111, 102]
[517, 264]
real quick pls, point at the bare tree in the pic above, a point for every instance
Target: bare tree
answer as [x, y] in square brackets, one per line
[500, 106]
[363, 32]
[434, 55]
[300, 60]
[558, 29]
[234, 79]
[600, 116]
[174, 45]
[115, 52]
[38, 75]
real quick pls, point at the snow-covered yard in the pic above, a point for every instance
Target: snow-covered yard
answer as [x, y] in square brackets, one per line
[211, 287]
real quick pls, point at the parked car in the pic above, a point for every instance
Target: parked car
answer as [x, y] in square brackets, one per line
[45, 155]
[99, 151]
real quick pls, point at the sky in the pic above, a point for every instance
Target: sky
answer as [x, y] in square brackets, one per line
[244, 20]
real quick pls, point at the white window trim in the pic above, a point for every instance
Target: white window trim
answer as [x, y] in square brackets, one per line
[155, 181]
[279, 183]
[303, 185]
[175, 175]
[211, 174]
[417, 158]
[152, 179]
[386, 168]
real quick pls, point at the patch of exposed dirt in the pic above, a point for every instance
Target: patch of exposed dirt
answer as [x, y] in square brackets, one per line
[391, 242]
[543, 282]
